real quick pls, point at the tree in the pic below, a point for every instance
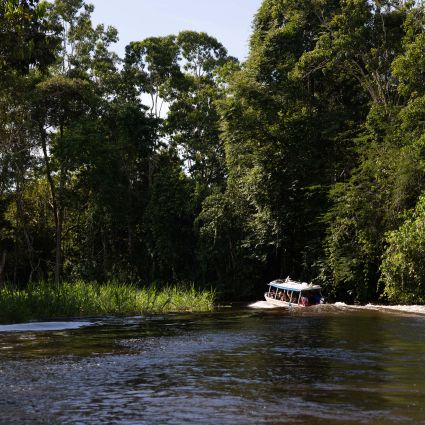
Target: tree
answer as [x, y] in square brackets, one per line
[403, 272]
[61, 102]
[27, 46]
[389, 175]
[286, 137]
[26, 37]
[193, 122]
[152, 65]
[169, 220]
[84, 49]
[114, 183]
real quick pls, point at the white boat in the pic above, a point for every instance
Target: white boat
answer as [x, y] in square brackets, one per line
[290, 293]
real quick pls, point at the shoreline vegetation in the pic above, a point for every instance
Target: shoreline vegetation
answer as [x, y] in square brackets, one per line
[305, 159]
[43, 301]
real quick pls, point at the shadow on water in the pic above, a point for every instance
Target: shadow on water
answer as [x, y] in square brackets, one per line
[236, 366]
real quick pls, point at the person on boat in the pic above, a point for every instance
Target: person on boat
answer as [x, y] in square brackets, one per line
[317, 298]
[305, 301]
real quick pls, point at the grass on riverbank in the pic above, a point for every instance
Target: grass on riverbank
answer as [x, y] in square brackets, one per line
[44, 301]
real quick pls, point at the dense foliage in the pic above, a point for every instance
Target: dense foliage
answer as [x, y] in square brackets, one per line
[177, 163]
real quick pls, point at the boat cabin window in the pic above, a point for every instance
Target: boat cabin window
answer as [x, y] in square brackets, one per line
[283, 294]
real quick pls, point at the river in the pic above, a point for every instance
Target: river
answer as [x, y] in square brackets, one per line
[250, 365]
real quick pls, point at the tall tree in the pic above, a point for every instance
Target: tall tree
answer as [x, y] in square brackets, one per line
[28, 44]
[384, 183]
[193, 123]
[152, 65]
[65, 99]
[61, 102]
[286, 135]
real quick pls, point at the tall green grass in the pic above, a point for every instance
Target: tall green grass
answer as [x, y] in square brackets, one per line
[44, 301]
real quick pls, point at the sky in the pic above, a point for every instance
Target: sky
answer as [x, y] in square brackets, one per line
[227, 20]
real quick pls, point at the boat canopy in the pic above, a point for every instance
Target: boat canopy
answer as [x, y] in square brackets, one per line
[294, 286]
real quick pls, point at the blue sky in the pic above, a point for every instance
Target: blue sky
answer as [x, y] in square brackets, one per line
[227, 20]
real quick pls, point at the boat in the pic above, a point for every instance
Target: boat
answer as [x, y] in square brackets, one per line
[290, 293]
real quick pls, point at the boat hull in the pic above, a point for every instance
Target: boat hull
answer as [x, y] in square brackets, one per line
[279, 303]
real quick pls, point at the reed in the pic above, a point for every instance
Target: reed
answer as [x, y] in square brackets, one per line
[43, 301]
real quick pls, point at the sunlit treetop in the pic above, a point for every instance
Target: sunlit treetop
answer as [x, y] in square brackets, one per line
[27, 40]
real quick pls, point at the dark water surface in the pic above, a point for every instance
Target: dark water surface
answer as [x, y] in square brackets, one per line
[240, 366]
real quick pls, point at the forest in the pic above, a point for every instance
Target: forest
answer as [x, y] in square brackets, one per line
[177, 163]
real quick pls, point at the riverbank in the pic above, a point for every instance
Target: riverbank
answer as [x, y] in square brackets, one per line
[45, 301]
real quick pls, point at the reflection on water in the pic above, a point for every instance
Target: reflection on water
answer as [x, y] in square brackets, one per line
[315, 366]
[42, 326]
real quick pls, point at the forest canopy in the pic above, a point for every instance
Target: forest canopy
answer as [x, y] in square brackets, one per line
[178, 163]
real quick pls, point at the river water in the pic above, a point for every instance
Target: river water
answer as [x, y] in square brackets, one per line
[321, 365]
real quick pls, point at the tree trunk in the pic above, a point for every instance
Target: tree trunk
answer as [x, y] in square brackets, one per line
[2, 267]
[130, 220]
[57, 214]
[105, 254]
[59, 223]
[58, 261]
[21, 219]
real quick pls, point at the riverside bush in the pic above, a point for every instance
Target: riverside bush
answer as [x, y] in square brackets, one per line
[48, 300]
